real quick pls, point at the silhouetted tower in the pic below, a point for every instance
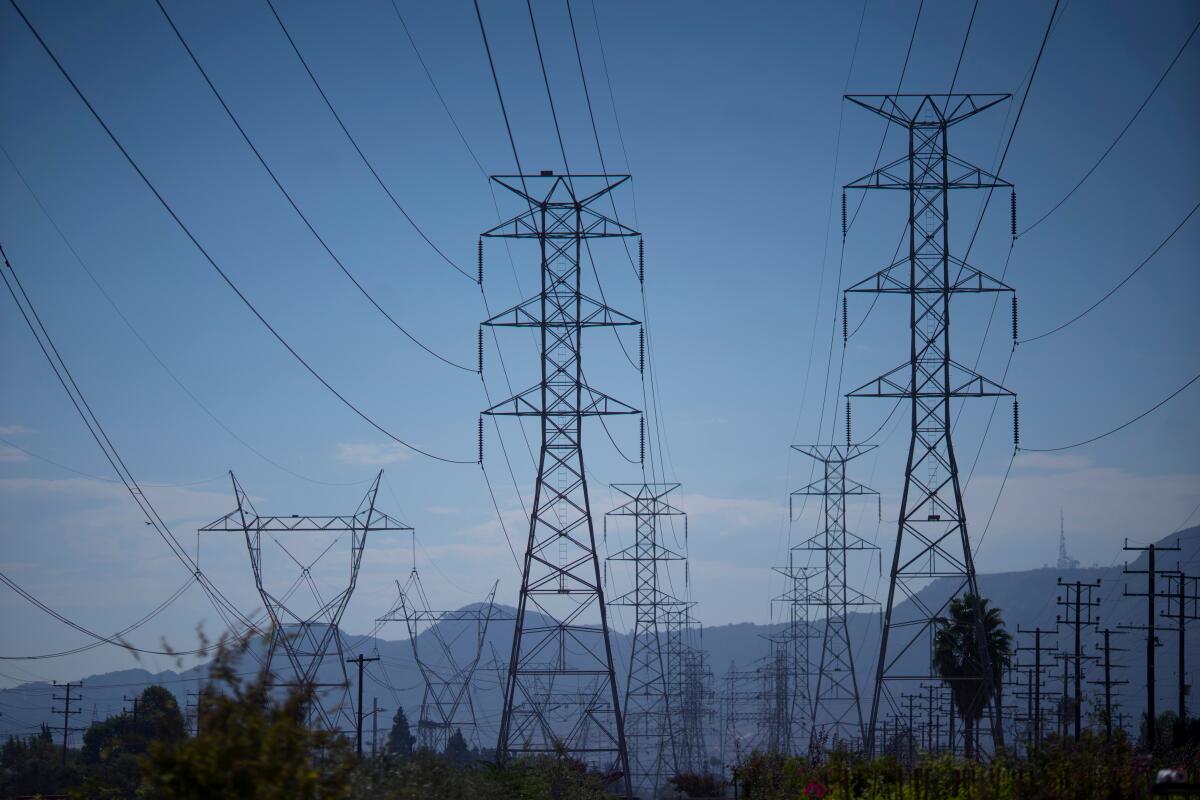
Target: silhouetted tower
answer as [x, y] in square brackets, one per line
[1152, 572]
[306, 631]
[446, 647]
[649, 725]
[566, 651]
[1077, 605]
[835, 703]
[1108, 682]
[1064, 560]
[689, 683]
[786, 702]
[932, 539]
[1183, 606]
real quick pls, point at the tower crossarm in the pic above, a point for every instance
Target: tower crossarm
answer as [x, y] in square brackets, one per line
[931, 382]
[897, 279]
[935, 110]
[588, 314]
[561, 399]
[959, 174]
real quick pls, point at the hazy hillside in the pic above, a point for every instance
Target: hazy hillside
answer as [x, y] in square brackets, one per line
[1027, 598]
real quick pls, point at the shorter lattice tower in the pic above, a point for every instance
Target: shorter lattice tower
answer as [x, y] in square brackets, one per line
[308, 637]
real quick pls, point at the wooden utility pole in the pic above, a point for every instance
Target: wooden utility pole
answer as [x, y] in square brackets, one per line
[1108, 683]
[1077, 605]
[66, 711]
[1151, 572]
[1036, 678]
[361, 661]
[1182, 590]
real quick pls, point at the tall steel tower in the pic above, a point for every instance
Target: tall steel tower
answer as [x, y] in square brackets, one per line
[836, 708]
[649, 729]
[931, 540]
[306, 634]
[561, 653]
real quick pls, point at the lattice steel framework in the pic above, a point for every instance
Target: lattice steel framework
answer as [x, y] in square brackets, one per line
[788, 667]
[696, 711]
[932, 539]
[742, 715]
[307, 638]
[649, 728]
[567, 641]
[836, 707]
[447, 703]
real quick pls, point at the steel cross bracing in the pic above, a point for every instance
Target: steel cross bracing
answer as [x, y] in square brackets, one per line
[787, 669]
[689, 683]
[447, 703]
[561, 628]
[932, 539]
[742, 722]
[649, 727]
[307, 638]
[836, 706]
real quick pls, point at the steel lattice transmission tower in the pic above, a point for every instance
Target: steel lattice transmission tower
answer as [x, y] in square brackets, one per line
[649, 729]
[447, 703]
[787, 698]
[563, 651]
[932, 539]
[836, 706]
[308, 637]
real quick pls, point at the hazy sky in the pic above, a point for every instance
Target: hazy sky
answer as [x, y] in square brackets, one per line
[737, 137]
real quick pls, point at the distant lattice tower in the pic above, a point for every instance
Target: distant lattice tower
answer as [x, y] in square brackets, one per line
[308, 636]
[649, 707]
[836, 708]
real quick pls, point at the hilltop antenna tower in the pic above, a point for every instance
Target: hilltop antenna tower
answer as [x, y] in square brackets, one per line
[565, 650]
[836, 704]
[1064, 560]
[307, 639]
[931, 540]
[649, 727]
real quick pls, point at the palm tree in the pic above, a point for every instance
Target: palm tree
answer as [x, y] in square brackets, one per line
[957, 658]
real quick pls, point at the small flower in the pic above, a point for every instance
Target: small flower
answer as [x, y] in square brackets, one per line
[815, 789]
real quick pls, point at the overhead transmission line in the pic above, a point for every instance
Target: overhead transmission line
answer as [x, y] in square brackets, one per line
[1120, 135]
[224, 607]
[213, 263]
[145, 344]
[292, 202]
[1120, 427]
[1122, 282]
[357, 149]
[116, 639]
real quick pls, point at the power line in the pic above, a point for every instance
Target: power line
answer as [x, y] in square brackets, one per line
[10, 583]
[99, 641]
[1123, 281]
[292, 202]
[145, 344]
[1120, 427]
[1120, 135]
[357, 149]
[211, 261]
[29, 313]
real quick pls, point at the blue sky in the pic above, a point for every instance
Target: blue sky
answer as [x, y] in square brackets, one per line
[732, 120]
